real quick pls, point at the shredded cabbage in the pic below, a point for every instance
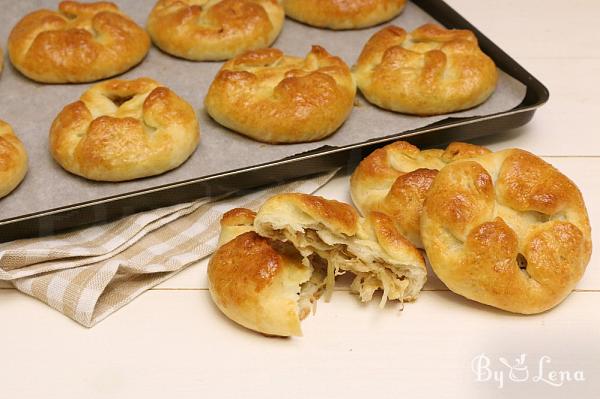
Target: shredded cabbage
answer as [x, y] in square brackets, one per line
[336, 259]
[310, 292]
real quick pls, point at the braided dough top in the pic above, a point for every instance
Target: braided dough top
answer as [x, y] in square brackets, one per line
[276, 98]
[508, 230]
[13, 160]
[82, 42]
[124, 129]
[214, 29]
[429, 71]
[396, 178]
[343, 14]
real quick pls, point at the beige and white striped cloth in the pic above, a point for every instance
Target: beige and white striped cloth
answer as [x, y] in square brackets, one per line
[91, 273]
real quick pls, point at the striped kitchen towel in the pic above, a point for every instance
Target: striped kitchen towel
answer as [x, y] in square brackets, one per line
[91, 273]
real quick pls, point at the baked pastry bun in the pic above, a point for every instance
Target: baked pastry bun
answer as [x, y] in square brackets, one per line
[396, 178]
[272, 267]
[275, 98]
[13, 160]
[343, 14]
[332, 234]
[235, 223]
[214, 30]
[429, 71]
[260, 283]
[123, 130]
[82, 42]
[507, 230]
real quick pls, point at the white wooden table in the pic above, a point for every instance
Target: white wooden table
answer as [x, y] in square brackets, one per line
[173, 342]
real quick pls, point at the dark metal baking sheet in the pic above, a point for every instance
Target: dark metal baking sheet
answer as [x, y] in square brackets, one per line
[106, 208]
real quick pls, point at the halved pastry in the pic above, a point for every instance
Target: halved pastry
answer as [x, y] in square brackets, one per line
[259, 283]
[331, 232]
[269, 278]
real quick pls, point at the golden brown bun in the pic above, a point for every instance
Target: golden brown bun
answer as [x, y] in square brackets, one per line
[275, 98]
[343, 14]
[273, 266]
[486, 217]
[429, 71]
[396, 178]
[82, 42]
[216, 30]
[234, 223]
[123, 130]
[13, 160]
[254, 283]
[371, 248]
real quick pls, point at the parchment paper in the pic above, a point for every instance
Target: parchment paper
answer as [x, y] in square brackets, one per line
[31, 107]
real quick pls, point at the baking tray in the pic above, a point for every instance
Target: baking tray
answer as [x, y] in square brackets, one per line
[317, 160]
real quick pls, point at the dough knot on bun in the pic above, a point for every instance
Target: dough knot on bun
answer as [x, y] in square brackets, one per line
[81, 42]
[395, 180]
[508, 230]
[430, 71]
[214, 30]
[343, 14]
[123, 130]
[13, 160]
[275, 98]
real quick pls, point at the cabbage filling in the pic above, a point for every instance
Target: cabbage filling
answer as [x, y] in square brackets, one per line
[310, 292]
[335, 258]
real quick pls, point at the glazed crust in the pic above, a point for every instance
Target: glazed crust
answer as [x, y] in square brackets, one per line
[213, 30]
[13, 160]
[123, 130]
[252, 282]
[336, 216]
[234, 223]
[81, 42]
[429, 71]
[275, 98]
[395, 180]
[507, 230]
[343, 14]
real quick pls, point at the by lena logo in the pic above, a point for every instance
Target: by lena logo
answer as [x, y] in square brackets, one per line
[540, 370]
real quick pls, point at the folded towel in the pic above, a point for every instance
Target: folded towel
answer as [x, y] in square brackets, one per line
[91, 273]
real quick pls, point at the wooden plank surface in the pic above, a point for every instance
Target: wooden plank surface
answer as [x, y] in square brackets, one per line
[537, 28]
[562, 126]
[177, 344]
